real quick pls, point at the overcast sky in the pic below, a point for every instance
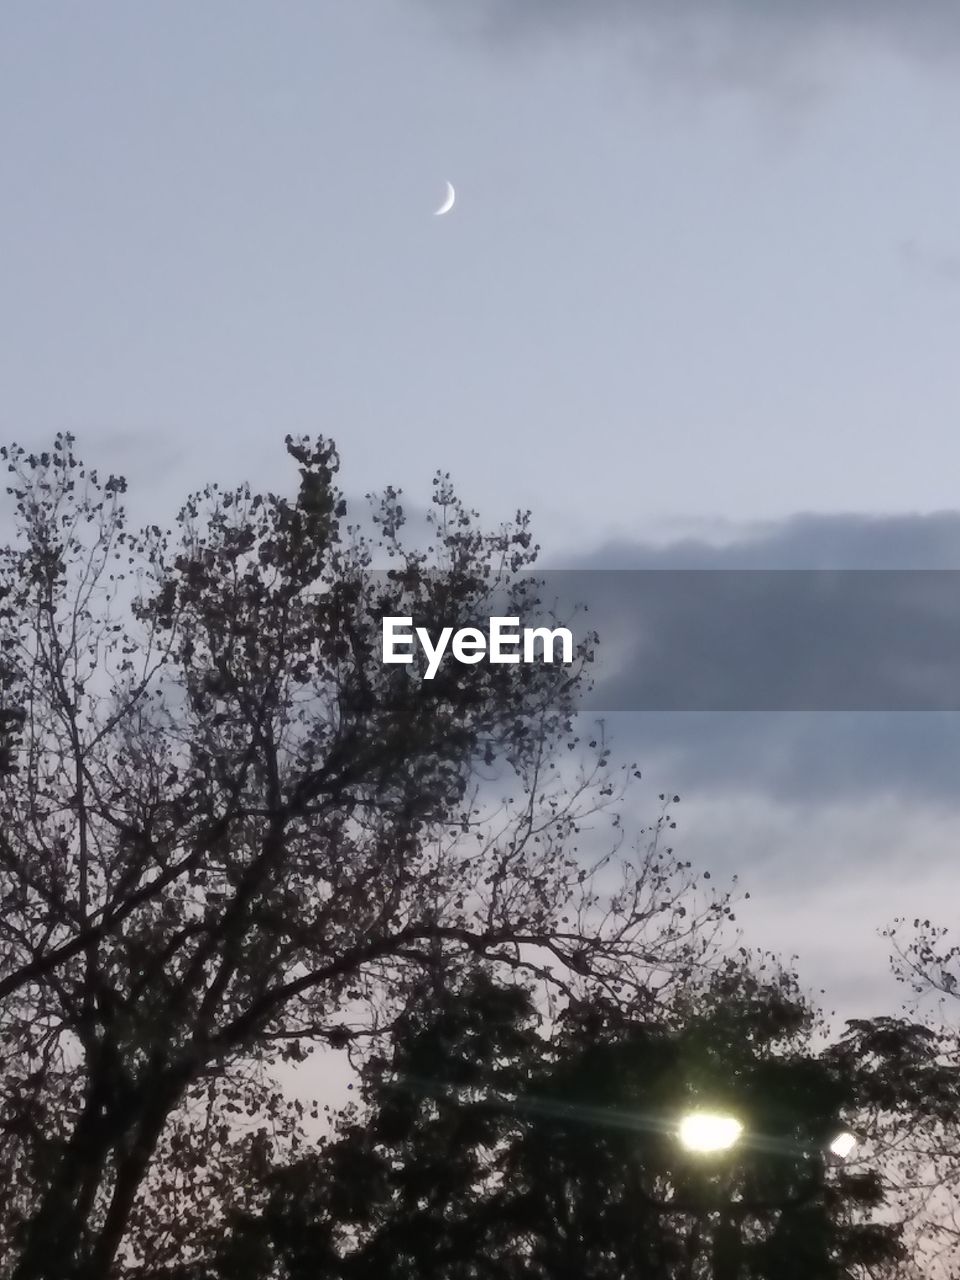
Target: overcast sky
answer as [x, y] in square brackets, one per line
[698, 299]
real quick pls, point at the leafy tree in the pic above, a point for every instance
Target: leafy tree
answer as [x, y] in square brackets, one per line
[231, 834]
[488, 1146]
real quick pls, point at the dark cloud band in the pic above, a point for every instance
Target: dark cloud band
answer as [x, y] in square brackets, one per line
[771, 640]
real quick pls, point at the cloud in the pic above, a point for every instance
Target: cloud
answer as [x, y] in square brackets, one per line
[834, 822]
[803, 541]
[793, 756]
[797, 757]
[725, 42]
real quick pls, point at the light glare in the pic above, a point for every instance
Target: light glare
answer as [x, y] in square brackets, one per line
[704, 1131]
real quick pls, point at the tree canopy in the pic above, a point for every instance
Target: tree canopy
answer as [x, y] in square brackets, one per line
[484, 1148]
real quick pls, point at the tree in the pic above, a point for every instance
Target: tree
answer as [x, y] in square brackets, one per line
[922, 1152]
[230, 833]
[484, 1148]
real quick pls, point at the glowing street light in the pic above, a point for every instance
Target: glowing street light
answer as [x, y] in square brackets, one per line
[705, 1131]
[843, 1144]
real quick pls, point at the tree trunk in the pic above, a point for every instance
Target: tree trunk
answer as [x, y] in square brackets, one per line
[54, 1234]
[54, 1247]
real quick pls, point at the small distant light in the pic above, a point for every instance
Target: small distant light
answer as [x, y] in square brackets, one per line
[843, 1144]
[704, 1131]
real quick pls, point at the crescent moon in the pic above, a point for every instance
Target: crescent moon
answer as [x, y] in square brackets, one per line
[447, 203]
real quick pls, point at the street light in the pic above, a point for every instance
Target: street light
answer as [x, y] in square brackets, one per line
[843, 1144]
[702, 1132]
[706, 1131]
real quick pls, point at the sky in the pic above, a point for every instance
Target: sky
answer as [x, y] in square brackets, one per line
[697, 305]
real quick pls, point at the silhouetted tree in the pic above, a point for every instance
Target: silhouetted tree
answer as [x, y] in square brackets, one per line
[484, 1148]
[230, 833]
[922, 1156]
